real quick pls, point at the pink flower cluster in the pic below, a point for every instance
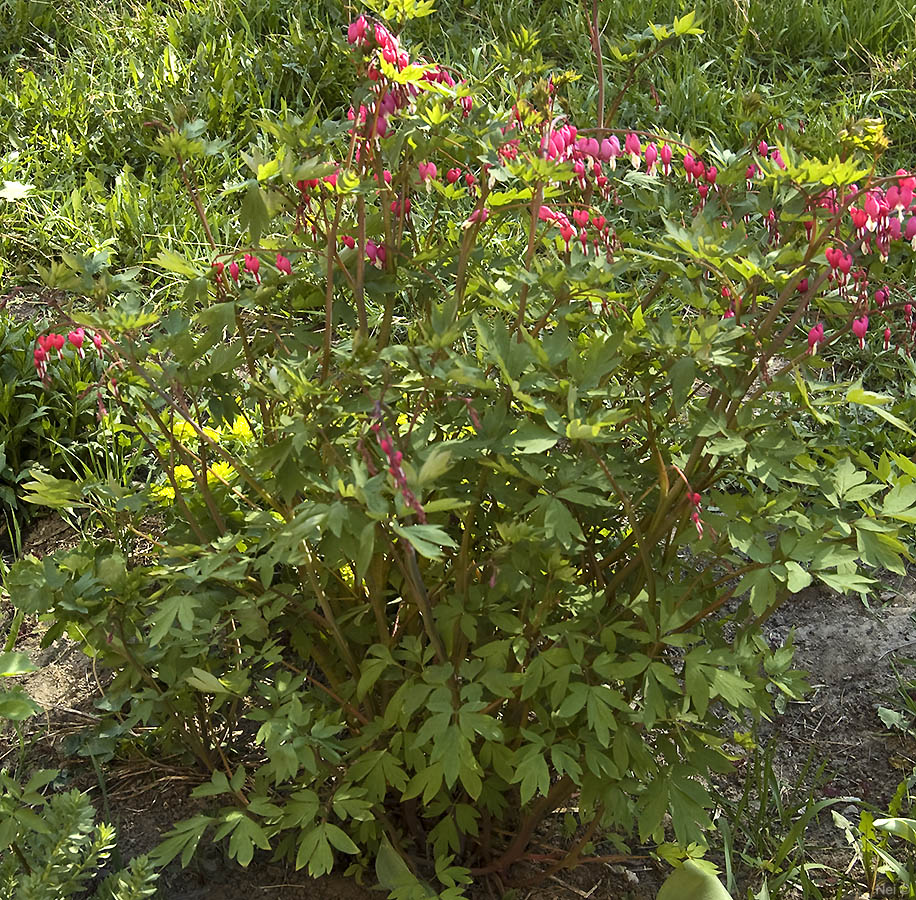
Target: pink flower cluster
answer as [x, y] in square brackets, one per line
[51, 342]
[377, 43]
[842, 273]
[880, 218]
[601, 232]
[589, 155]
[394, 459]
[252, 265]
[878, 215]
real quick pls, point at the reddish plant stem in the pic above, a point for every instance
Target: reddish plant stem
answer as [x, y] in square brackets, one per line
[562, 790]
[359, 295]
[595, 38]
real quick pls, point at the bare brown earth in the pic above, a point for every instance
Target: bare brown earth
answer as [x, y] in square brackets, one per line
[848, 650]
[850, 653]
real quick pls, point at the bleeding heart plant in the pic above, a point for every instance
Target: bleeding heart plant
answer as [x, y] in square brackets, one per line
[478, 508]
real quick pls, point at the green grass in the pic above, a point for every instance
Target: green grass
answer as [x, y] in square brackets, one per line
[826, 62]
[81, 80]
[78, 81]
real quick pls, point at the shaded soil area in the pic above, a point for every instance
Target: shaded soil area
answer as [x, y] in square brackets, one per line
[849, 651]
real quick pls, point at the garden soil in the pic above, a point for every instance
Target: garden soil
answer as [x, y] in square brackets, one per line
[851, 652]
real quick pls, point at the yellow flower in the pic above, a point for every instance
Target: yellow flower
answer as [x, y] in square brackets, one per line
[163, 493]
[183, 431]
[346, 574]
[184, 477]
[241, 430]
[220, 472]
[186, 432]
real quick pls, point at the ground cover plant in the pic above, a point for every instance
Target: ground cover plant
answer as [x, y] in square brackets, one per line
[482, 446]
[52, 847]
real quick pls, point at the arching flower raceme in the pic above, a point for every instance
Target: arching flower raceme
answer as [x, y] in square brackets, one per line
[395, 459]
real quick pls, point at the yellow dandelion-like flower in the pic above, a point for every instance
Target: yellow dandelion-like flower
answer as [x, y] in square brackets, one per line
[186, 432]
